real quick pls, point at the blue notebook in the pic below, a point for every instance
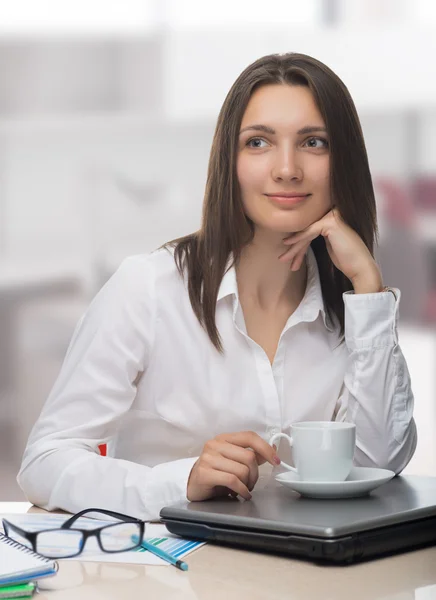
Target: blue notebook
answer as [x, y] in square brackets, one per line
[19, 564]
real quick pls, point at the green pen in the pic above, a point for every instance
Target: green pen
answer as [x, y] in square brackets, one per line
[180, 564]
[23, 590]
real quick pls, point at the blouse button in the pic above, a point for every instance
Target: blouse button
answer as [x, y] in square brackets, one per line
[273, 431]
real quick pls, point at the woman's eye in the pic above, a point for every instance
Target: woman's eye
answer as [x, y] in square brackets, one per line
[317, 142]
[255, 140]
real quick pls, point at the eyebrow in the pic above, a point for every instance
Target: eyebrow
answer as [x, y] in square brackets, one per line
[271, 131]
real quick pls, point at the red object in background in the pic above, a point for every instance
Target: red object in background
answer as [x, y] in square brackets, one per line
[424, 192]
[103, 449]
[430, 307]
[402, 252]
[397, 205]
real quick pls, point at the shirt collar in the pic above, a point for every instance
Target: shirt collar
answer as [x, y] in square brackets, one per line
[310, 306]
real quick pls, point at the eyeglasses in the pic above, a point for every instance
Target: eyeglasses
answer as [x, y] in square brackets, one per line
[67, 541]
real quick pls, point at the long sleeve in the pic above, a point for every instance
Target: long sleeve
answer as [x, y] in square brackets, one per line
[377, 394]
[110, 348]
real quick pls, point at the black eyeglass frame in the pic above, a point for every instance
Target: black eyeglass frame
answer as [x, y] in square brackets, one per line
[31, 536]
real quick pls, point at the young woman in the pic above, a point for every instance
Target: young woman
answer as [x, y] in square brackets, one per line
[190, 358]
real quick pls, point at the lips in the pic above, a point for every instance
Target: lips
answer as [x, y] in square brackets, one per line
[287, 199]
[287, 195]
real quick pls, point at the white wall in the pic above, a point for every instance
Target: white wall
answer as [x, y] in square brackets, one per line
[384, 68]
[108, 189]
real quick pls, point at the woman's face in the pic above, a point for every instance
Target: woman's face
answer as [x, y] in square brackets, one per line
[283, 149]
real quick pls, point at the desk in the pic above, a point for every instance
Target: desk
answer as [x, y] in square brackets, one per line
[221, 573]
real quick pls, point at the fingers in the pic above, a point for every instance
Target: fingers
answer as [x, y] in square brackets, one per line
[313, 230]
[220, 490]
[220, 479]
[246, 458]
[294, 237]
[229, 462]
[298, 259]
[250, 439]
[295, 250]
[218, 462]
[206, 482]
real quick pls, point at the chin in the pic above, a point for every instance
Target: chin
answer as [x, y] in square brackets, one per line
[287, 225]
[292, 221]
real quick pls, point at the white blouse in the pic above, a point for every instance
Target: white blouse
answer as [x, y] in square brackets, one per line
[142, 375]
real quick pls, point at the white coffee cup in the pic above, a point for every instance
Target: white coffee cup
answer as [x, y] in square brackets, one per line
[321, 450]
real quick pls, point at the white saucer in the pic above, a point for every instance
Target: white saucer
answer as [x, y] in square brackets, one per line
[359, 482]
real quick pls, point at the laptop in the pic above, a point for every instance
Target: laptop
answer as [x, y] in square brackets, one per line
[398, 516]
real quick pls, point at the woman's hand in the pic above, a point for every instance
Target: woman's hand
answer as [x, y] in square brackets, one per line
[346, 249]
[229, 464]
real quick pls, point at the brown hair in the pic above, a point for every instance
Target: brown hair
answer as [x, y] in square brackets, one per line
[225, 228]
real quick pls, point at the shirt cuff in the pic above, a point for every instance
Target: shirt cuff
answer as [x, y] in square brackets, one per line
[371, 320]
[169, 486]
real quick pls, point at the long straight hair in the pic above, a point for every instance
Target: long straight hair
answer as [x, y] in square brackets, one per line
[226, 229]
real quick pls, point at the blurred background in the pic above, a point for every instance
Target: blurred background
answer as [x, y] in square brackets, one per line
[107, 111]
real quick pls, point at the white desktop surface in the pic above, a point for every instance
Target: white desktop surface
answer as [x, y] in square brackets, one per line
[217, 572]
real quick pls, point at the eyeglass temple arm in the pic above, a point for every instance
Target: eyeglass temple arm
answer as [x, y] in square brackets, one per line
[110, 513]
[7, 524]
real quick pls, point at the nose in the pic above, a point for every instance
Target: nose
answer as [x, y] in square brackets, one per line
[287, 166]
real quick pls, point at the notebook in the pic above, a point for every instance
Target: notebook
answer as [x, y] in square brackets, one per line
[398, 516]
[19, 564]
